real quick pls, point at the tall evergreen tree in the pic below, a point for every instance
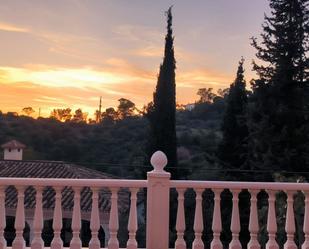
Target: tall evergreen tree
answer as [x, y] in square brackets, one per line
[232, 150]
[163, 110]
[277, 108]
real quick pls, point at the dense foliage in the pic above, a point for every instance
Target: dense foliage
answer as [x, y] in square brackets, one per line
[116, 146]
[278, 123]
[232, 150]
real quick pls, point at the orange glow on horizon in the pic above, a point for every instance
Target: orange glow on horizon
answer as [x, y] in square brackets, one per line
[49, 87]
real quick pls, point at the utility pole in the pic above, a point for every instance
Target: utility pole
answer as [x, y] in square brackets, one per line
[99, 113]
[100, 106]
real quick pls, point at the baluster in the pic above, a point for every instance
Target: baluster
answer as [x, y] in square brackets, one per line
[305, 245]
[19, 242]
[253, 222]
[113, 221]
[76, 221]
[290, 223]
[216, 221]
[95, 220]
[198, 221]
[132, 226]
[235, 222]
[2, 218]
[180, 224]
[271, 222]
[57, 221]
[37, 242]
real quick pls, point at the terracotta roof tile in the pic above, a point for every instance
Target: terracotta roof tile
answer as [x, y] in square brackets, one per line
[54, 169]
[13, 144]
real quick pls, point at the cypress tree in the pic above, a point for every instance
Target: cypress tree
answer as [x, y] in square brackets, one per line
[277, 117]
[232, 150]
[162, 112]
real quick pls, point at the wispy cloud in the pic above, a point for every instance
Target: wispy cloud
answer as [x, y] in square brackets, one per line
[203, 77]
[138, 33]
[149, 51]
[49, 87]
[12, 28]
[63, 77]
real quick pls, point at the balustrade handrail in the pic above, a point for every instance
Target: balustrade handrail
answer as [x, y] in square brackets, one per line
[61, 182]
[123, 183]
[284, 186]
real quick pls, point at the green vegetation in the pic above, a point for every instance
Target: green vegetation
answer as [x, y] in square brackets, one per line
[232, 150]
[278, 119]
[116, 145]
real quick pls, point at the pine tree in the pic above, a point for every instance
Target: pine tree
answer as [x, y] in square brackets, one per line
[277, 108]
[232, 150]
[162, 112]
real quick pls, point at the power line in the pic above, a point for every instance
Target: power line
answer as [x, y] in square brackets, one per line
[113, 165]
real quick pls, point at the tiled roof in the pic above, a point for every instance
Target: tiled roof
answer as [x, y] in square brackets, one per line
[13, 144]
[53, 169]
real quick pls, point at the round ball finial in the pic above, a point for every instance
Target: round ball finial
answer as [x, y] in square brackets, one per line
[158, 161]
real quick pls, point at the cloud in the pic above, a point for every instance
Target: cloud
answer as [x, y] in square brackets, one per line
[12, 28]
[81, 47]
[202, 77]
[63, 77]
[51, 86]
[150, 51]
[138, 33]
[48, 87]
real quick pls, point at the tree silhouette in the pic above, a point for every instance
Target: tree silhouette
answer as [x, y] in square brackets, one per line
[277, 119]
[232, 150]
[79, 116]
[28, 110]
[206, 95]
[63, 115]
[161, 112]
[126, 108]
[110, 115]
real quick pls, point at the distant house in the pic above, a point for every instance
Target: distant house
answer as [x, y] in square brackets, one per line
[13, 166]
[13, 150]
[189, 107]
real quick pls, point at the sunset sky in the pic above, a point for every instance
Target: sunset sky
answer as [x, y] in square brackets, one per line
[67, 53]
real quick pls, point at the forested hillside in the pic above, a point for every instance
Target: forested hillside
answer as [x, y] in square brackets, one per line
[116, 146]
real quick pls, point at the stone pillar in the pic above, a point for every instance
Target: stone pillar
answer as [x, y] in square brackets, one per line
[158, 195]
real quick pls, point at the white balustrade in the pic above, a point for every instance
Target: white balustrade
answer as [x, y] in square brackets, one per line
[198, 221]
[290, 223]
[216, 221]
[180, 223]
[2, 218]
[271, 222]
[132, 225]
[253, 222]
[305, 245]
[235, 222]
[95, 220]
[19, 242]
[158, 186]
[76, 221]
[113, 221]
[57, 221]
[37, 242]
